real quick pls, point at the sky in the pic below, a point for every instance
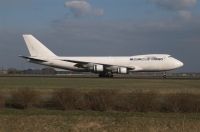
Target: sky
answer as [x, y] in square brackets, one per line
[102, 28]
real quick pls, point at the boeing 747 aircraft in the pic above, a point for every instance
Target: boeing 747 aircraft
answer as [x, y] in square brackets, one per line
[104, 66]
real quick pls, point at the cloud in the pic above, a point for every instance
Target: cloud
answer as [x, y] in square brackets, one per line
[83, 8]
[181, 7]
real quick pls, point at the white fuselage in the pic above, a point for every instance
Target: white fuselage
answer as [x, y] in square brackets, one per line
[151, 62]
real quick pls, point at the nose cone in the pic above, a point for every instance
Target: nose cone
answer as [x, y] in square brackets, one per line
[179, 64]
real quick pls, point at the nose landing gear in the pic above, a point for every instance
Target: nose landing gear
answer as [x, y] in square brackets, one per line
[164, 75]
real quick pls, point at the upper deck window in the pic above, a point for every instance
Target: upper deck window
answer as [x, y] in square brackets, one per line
[147, 59]
[156, 58]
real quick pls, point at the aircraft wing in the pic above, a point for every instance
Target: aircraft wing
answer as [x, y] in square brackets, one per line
[82, 63]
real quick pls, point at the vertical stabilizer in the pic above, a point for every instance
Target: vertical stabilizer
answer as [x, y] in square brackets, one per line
[36, 48]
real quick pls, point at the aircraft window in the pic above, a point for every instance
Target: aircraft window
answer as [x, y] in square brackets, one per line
[131, 59]
[155, 58]
[147, 59]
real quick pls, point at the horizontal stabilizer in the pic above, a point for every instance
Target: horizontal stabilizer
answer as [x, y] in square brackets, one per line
[32, 58]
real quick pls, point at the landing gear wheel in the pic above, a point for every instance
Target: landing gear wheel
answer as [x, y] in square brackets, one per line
[111, 75]
[106, 75]
[100, 75]
[164, 75]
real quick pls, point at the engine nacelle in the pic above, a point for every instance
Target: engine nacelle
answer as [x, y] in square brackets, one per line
[98, 68]
[122, 70]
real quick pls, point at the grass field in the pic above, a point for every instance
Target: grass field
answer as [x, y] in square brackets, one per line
[87, 121]
[33, 120]
[47, 84]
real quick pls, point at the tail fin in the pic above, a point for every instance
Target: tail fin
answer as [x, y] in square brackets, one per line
[36, 48]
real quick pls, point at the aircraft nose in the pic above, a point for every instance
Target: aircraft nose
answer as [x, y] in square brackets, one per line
[179, 63]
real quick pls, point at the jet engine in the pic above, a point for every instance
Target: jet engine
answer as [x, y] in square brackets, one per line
[119, 70]
[97, 68]
[122, 70]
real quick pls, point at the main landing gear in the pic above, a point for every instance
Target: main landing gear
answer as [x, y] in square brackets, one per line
[106, 75]
[164, 75]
